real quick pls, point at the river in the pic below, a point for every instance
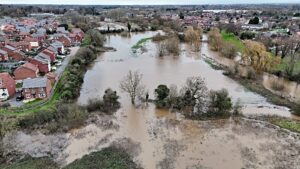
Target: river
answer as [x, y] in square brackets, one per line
[163, 139]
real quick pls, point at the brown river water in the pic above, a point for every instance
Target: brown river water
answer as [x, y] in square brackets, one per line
[161, 139]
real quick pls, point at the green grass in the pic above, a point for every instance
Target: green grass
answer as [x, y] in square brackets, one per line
[140, 43]
[32, 163]
[287, 124]
[19, 85]
[284, 64]
[231, 38]
[108, 158]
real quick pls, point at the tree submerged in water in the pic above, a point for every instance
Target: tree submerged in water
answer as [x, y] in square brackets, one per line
[194, 99]
[132, 84]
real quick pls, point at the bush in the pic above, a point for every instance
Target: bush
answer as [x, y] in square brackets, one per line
[251, 73]
[108, 104]
[228, 50]
[161, 93]
[219, 103]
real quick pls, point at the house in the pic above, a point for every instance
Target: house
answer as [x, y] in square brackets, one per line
[21, 46]
[62, 30]
[64, 39]
[75, 38]
[37, 88]
[3, 56]
[50, 54]
[28, 70]
[7, 86]
[58, 46]
[42, 62]
[34, 43]
[52, 77]
[13, 53]
[78, 31]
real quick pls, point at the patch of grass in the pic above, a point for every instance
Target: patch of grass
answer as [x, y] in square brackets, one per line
[19, 85]
[108, 158]
[212, 64]
[140, 43]
[284, 64]
[231, 38]
[32, 163]
[287, 124]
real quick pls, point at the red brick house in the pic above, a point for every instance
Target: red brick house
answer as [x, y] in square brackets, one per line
[22, 45]
[78, 31]
[13, 53]
[75, 38]
[50, 54]
[3, 56]
[34, 43]
[37, 88]
[43, 63]
[65, 40]
[28, 70]
[52, 77]
[7, 86]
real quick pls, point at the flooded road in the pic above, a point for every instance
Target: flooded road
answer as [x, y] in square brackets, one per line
[164, 139]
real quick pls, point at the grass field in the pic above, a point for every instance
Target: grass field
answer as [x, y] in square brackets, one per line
[108, 158]
[282, 66]
[230, 38]
[32, 163]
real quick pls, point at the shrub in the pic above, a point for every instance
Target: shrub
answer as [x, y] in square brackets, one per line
[219, 103]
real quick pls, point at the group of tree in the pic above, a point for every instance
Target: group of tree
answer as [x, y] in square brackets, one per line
[254, 20]
[193, 37]
[108, 104]
[217, 43]
[193, 99]
[168, 45]
[256, 55]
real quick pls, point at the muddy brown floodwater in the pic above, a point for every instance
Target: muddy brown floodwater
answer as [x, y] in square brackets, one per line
[163, 139]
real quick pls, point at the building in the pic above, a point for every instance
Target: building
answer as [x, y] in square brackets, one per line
[42, 62]
[37, 88]
[50, 54]
[3, 56]
[7, 86]
[28, 70]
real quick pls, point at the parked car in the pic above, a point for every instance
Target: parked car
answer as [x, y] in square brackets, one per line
[53, 68]
[60, 56]
[19, 98]
[58, 63]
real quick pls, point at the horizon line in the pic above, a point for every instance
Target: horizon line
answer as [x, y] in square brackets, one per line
[225, 4]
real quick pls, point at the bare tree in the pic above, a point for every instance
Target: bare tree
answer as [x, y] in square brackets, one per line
[132, 84]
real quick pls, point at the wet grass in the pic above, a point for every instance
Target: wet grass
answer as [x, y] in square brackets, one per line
[32, 163]
[140, 43]
[212, 64]
[287, 124]
[231, 38]
[108, 158]
[284, 64]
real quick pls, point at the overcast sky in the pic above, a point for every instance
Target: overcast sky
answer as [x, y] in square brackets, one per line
[143, 2]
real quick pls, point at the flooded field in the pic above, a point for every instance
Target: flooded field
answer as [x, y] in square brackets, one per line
[163, 139]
